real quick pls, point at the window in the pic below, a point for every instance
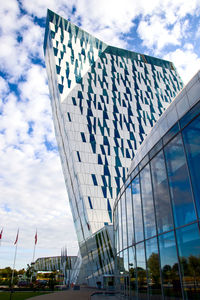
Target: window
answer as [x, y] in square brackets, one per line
[124, 225]
[188, 239]
[161, 194]
[139, 235]
[129, 215]
[180, 189]
[147, 202]
[153, 268]
[169, 266]
[141, 271]
[191, 138]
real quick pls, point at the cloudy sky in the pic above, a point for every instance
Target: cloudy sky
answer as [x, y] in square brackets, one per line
[32, 190]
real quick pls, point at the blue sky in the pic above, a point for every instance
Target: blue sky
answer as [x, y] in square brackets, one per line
[33, 193]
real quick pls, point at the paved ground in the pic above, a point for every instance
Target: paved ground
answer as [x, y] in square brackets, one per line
[82, 294]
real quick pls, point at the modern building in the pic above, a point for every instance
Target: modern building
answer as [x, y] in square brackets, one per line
[105, 100]
[157, 212]
[65, 264]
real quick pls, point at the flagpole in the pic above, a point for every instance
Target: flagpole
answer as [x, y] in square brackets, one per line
[34, 253]
[16, 243]
[14, 265]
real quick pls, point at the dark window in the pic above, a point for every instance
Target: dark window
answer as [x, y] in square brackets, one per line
[180, 189]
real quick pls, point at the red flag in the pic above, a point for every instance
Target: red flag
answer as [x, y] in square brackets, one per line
[36, 238]
[16, 237]
[1, 233]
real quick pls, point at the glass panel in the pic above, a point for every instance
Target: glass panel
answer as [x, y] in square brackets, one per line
[171, 133]
[144, 162]
[120, 263]
[132, 272]
[116, 229]
[147, 201]
[153, 268]
[121, 282]
[120, 224]
[161, 194]
[180, 190]
[155, 149]
[126, 268]
[141, 271]
[134, 173]
[188, 239]
[191, 140]
[194, 111]
[124, 225]
[129, 216]
[139, 235]
[126, 273]
[169, 266]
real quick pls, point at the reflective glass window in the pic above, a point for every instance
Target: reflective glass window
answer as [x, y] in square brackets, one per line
[139, 235]
[161, 194]
[132, 271]
[188, 239]
[124, 222]
[147, 202]
[169, 266]
[121, 265]
[155, 149]
[120, 225]
[191, 137]
[193, 112]
[141, 271]
[126, 267]
[182, 202]
[153, 269]
[126, 273]
[171, 133]
[129, 211]
[116, 229]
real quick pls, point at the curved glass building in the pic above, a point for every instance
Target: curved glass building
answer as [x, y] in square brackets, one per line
[157, 212]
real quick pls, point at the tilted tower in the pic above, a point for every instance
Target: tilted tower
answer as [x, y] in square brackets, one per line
[105, 100]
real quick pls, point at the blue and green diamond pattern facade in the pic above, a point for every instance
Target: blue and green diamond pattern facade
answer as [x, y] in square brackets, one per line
[105, 100]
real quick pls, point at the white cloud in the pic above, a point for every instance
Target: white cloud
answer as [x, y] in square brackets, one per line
[186, 61]
[155, 34]
[4, 88]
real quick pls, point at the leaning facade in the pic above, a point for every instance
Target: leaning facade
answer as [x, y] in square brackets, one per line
[105, 100]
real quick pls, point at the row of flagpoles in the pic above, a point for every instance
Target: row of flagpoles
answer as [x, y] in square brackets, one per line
[16, 240]
[15, 243]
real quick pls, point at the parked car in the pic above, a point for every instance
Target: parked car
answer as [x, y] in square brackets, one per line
[22, 283]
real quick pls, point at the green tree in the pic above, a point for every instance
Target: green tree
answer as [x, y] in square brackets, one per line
[153, 267]
[194, 268]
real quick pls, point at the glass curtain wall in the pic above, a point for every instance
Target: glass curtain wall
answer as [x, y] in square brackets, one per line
[158, 244]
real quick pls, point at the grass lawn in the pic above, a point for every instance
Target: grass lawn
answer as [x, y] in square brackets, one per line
[19, 295]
